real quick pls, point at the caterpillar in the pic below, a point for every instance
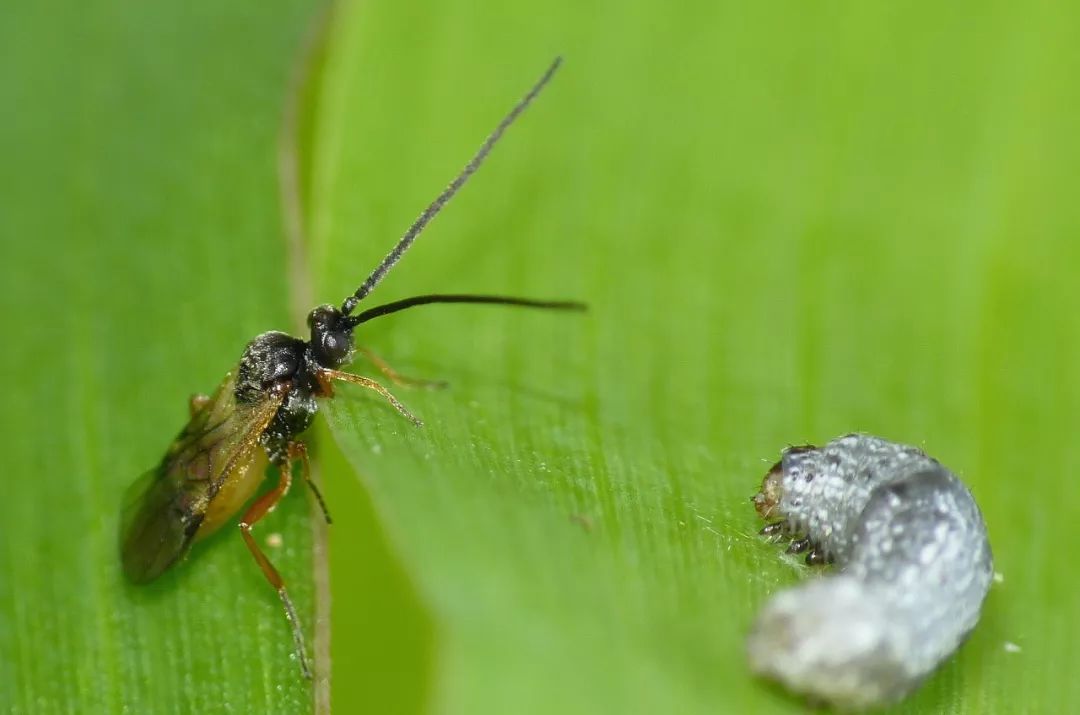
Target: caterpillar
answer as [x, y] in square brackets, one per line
[913, 566]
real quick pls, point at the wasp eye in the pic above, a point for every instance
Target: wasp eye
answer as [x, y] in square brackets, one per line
[331, 336]
[335, 346]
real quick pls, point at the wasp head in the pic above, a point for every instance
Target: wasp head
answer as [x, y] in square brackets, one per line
[331, 342]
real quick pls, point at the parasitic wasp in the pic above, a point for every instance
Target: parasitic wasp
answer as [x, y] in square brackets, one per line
[259, 411]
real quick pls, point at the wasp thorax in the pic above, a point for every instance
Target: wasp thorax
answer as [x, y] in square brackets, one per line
[267, 360]
[331, 336]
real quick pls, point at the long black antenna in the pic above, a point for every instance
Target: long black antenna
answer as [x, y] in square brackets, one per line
[416, 300]
[448, 193]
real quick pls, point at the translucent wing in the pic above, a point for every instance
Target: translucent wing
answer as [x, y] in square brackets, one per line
[164, 508]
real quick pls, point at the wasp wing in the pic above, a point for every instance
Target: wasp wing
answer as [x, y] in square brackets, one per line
[164, 508]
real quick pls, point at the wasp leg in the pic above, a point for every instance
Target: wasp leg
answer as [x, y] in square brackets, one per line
[196, 403]
[396, 377]
[298, 450]
[325, 376]
[260, 508]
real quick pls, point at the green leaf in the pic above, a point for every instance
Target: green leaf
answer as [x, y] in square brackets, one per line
[141, 249]
[791, 222]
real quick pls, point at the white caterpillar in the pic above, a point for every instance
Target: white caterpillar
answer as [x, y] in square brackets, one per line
[914, 566]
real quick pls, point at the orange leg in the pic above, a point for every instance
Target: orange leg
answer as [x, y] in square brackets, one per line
[258, 509]
[196, 403]
[396, 377]
[298, 450]
[325, 376]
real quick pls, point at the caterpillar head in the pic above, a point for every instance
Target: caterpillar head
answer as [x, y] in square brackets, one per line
[767, 500]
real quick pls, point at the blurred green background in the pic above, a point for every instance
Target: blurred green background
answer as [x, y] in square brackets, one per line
[791, 221]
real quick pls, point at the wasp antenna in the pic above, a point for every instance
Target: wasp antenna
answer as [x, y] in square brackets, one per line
[448, 193]
[416, 300]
